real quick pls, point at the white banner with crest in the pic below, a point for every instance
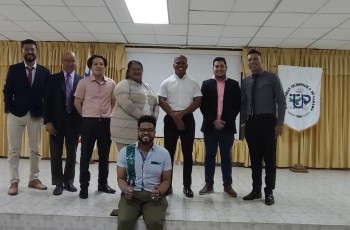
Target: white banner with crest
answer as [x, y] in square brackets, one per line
[302, 88]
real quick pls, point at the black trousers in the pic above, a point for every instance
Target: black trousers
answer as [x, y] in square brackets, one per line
[260, 135]
[94, 129]
[171, 135]
[67, 133]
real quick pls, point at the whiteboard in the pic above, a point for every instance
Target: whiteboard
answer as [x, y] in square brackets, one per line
[158, 65]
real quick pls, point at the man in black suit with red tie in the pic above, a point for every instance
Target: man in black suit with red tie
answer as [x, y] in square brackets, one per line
[24, 91]
[62, 123]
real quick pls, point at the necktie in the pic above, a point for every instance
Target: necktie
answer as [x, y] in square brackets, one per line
[69, 91]
[252, 105]
[30, 75]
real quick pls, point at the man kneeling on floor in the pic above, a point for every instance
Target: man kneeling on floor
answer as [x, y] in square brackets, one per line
[144, 175]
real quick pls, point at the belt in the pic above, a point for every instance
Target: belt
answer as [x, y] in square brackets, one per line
[262, 116]
[98, 118]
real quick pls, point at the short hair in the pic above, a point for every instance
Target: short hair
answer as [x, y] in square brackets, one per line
[90, 60]
[147, 118]
[28, 41]
[219, 59]
[180, 56]
[129, 66]
[254, 51]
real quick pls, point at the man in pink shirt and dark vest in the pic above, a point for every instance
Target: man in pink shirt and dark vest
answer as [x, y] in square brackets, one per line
[221, 103]
[94, 101]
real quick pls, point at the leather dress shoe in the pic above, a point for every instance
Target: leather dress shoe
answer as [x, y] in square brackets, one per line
[208, 188]
[229, 190]
[13, 190]
[36, 183]
[83, 194]
[169, 192]
[58, 190]
[70, 187]
[269, 199]
[252, 195]
[188, 192]
[106, 189]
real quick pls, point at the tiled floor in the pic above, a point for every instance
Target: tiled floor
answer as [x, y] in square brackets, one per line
[320, 198]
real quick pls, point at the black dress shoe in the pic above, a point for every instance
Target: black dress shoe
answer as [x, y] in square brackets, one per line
[83, 194]
[70, 188]
[106, 189]
[252, 196]
[58, 190]
[269, 199]
[188, 192]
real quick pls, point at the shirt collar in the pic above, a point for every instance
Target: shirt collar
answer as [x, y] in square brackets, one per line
[92, 78]
[137, 146]
[177, 77]
[34, 66]
[213, 77]
[71, 74]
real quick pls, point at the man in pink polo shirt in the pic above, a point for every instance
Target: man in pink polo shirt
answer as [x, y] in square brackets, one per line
[94, 101]
[221, 104]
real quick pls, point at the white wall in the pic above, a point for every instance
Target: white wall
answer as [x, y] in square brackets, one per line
[158, 65]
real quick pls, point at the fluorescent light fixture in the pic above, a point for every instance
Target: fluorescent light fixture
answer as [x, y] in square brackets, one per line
[148, 11]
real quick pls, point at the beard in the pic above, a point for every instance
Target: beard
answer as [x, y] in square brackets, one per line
[29, 57]
[145, 139]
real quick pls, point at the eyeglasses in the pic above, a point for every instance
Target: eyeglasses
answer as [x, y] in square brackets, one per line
[142, 130]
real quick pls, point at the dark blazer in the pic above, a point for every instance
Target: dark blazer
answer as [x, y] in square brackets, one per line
[55, 99]
[231, 105]
[19, 96]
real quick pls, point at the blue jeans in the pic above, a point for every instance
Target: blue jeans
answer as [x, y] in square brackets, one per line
[225, 141]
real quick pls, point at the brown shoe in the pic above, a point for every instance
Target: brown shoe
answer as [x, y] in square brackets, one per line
[36, 183]
[208, 188]
[13, 190]
[229, 190]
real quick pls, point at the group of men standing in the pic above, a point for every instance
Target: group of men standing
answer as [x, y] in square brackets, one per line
[73, 106]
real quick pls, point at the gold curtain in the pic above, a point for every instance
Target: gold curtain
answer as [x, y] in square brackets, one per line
[325, 145]
[49, 55]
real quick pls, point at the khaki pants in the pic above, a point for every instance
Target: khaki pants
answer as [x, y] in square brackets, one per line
[15, 128]
[141, 204]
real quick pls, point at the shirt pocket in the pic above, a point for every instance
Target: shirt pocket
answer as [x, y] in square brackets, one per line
[156, 168]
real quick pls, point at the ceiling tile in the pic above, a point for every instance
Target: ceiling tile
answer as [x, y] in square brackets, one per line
[35, 26]
[11, 2]
[171, 40]
[48, 36]
[239, 31]
[55, 13]
[255, 5]
[15, 12]
[84, 2]
[247, 19]
[106, 27]
[326, 20]
[300, 6]
[286, 19]
[3, 38]
[205, 30]
[119, 10]
[274, 32]
[141, 39]
[345, 47]
[178, 11]
[338, 34]
[265, 42]
[18, 36]
[118, 38]
[327, 44]
[296, 43]
[309, 33]
[336, 6]
[217, 5]
[92, 14]
[236, 42]
[9, 26]
[2, 17]
[131, 28]
[202, 41]
[44, 2]
[80, 37]
[74, 27]
[208, 17]
[170, 29]
[345, 25]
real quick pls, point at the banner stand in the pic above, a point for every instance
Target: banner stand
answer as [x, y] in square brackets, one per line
[299, 168]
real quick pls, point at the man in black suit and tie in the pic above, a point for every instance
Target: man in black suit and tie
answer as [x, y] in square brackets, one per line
[62, 123]
[221, 104]
[24, 91]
